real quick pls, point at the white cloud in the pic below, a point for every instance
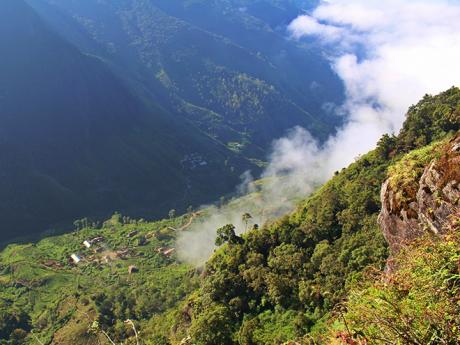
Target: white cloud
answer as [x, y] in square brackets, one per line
[307, 25]
[293, 172]
[388, 54]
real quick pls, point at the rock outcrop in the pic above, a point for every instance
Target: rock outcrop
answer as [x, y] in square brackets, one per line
[433, 208]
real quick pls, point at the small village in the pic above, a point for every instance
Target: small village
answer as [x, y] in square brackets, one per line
[96, 250]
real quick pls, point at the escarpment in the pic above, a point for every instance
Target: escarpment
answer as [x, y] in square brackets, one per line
[413, 205]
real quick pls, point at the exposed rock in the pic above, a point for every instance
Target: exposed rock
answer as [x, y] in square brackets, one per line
[397, 227]
[132, 234]
[432, 209]
[132, 269]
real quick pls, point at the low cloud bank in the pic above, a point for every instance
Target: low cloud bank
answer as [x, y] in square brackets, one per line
[293, 172]
[388, 54]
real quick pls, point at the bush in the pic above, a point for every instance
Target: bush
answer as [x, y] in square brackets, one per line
[417, 304]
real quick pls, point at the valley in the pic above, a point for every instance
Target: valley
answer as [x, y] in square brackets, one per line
[229, 172]
[145, 113]
[278, 282]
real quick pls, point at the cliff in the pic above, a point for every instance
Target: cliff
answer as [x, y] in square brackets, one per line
[413, 205]
[415, 300]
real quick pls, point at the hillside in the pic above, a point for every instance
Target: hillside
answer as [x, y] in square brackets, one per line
[76, 141]
[43, 290]
[416, 299]
[226, 66]
[281, 281]
[287, 280]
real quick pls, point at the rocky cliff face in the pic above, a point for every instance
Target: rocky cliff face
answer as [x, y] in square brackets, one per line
[429, 205]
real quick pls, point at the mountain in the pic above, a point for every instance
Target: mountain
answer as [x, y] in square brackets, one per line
[146, 106]
[224, 65]
[76, 141]
[287, 280]
[323, 274]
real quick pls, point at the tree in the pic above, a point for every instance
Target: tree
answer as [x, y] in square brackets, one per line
[159, 340]
[172, 213]
[246, 218]
[141, 240]
[226, 234]
[247, 330]
[386, 145]
[13, 325]
[213, 327]
[77, 224]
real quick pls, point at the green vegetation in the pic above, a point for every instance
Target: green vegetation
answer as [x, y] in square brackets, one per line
[79, 141]
[42, 290]
[417, 304]
[222, 65]
[405, 174]
[431, 119]
[311, 276]
[104, 104]
[281, 281]
[278, 281]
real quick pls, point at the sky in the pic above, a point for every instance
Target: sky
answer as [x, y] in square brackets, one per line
[388, 54]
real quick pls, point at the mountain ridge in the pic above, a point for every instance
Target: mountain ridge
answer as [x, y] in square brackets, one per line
[109, 76]
[166, 50]
[284, 281]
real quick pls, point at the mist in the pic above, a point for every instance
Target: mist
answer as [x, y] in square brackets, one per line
[294, 171]
[388, 55]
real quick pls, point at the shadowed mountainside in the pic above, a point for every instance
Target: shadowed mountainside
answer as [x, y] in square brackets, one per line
[76, 141]
[224, 65]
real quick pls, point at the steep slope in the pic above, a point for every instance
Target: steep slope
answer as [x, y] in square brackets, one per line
[421, 195]
[212, 62]
[75, 141]
[281, 281]
[415, 300]
[273, 284]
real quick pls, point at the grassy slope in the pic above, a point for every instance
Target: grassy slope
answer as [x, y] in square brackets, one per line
[63, 299]
[417, 304]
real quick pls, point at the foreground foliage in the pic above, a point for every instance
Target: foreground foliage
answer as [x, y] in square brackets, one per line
[417, 304]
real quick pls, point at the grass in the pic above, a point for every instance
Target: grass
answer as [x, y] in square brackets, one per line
[405, 174]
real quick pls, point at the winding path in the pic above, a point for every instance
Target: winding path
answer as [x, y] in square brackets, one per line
[190, 221]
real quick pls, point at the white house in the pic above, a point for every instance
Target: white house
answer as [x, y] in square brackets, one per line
[87, 244]
[76, 259]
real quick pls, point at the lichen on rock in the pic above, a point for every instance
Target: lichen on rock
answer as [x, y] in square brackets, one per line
[405, 217]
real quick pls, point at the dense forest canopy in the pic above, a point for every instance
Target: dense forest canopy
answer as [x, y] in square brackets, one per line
[281, 280]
